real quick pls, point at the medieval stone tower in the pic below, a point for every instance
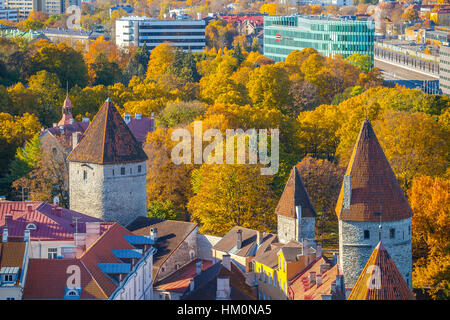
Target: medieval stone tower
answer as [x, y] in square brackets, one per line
[295, 213]
[107, 170]
[371, 208]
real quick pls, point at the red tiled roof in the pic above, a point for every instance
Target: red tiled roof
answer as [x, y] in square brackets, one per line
[300, 288]
[100, 252]
[180, 280]
[374, 185]
[391, 285]
[294, 194]
[47, 279]
[49, 225]
[108, 140]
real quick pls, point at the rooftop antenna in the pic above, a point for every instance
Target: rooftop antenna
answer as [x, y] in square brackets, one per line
[75, 220]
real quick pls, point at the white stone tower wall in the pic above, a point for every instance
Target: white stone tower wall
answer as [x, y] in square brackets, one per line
[125, 196]
[289, 229]
[86, 195]
[354, 250]
[107, 196]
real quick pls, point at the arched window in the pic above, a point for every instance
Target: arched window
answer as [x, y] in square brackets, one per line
[72, 293]
[31, 226]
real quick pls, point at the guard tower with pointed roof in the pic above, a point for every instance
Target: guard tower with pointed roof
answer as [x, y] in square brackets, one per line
[107, 170]
[372, 207]
[295, 212]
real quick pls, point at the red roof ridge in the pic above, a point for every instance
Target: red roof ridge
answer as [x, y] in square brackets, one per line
[92, 276]
[114, 224]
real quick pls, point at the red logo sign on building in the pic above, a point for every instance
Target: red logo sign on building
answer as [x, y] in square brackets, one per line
[278, 37]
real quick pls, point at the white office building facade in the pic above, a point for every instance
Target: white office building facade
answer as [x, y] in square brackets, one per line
[185, 34]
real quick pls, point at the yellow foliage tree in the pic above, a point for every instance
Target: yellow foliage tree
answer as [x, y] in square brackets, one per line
[430, 201]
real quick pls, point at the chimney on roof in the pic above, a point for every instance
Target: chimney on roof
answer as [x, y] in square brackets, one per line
[127, 118]
[347, 192]
[80, 243]
[92, 232]
[26, 235]
[226, 261]
[198, 267]
[75, 139]
[55, 125]
[305, 246]
[259, 237]
[58, 212]
[5, 235]
[239, 239]
[154, 234]
[85, 119]
[318, 251]
[335, 258]
[8, 219]
[138, 116]
[29, 208]
[319, 280]
[312, 278]
[324, 267]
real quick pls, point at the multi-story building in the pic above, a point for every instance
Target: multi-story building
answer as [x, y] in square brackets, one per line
[8, 14]
[71, 37]
[185, 34]
[328, 35]
[444, 69]
[13, 265]
[117, 266]
[24, 7]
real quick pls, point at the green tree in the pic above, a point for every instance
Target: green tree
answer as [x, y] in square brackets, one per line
[362, 61]
[161, 209]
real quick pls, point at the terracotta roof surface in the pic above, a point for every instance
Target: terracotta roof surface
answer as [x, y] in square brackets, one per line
[180, 280]
[205, 284]
[108, 140]
[374, 187]
[294, 194]
[171, 234]
[300, 288]
[101, 252]
[47, 279]
[391, 285]
[50, 226]
[11, 254]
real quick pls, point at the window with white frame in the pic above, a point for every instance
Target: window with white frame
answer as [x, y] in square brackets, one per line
[52, 253]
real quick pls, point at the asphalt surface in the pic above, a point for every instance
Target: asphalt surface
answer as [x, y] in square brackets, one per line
[398, 72]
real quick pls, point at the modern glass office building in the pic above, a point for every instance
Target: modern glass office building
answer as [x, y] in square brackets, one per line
[329, 36]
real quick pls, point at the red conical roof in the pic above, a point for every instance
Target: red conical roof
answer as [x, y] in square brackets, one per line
[66, 113]
[374, 187]
[380, 279]
[108, 140]
[294, 194]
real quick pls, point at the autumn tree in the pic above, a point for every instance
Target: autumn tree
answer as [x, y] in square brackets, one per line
[362, 61]
[180, 113]
[166, 181]
[268, 86]
[232, 195]
[414, 143]
[323, 180]
[430, 201]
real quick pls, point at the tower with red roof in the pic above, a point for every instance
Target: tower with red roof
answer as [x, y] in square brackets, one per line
[107, 170]
[296, 215]
[371, 208]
